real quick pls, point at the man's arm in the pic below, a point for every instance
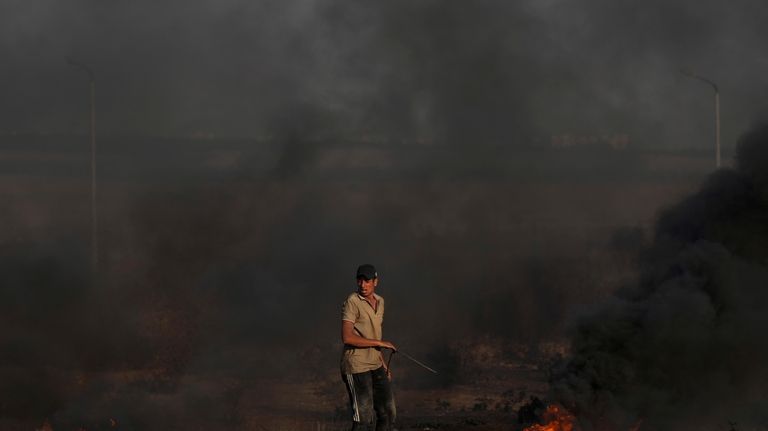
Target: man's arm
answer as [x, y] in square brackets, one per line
[352, 338]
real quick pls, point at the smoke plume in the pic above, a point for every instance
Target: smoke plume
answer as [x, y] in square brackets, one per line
[683, 349]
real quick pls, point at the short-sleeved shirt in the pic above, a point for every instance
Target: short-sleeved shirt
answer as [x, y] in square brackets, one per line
[367, 323]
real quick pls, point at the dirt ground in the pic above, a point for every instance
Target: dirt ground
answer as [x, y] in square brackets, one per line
[486, 402]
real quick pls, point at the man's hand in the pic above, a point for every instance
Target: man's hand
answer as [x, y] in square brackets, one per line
[387, 345]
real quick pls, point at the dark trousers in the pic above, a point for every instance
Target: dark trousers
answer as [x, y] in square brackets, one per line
[372, 400]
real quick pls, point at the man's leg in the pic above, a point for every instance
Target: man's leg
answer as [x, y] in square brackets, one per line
[360, 390]
[383, 400]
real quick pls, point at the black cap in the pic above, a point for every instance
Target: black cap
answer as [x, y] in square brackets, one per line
[367, 272]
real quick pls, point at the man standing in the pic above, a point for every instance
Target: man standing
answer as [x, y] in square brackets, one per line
[362, 365]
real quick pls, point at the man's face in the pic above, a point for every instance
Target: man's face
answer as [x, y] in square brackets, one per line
[366, 287]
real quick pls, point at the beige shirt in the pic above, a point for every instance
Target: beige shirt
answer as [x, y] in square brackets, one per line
[367, 324]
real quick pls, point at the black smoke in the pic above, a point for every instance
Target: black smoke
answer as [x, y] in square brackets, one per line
[683, 348]
[494, 71]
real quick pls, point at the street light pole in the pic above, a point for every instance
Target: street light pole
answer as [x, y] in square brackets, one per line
[690, 74]
[717, 124]
[94, 213]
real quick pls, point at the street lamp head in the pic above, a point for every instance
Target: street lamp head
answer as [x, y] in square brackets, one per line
[81, 66]
[690, 74]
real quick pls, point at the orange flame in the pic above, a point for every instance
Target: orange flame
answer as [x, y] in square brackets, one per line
[557, 419]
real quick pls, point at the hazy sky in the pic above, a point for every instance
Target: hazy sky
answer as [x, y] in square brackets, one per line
[484, 71]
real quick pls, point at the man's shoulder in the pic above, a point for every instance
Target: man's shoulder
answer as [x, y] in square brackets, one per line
[356, 298]
[352, 297]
